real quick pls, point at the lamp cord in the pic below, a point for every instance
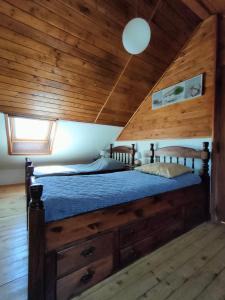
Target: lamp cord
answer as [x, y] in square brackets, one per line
[136, 8]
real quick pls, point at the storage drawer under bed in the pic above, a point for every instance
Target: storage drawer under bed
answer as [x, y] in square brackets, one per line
[82, 254]
[142, 229]
[150, 243]
[78, 281]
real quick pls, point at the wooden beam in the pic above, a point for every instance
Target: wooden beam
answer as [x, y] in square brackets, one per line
[197, 8]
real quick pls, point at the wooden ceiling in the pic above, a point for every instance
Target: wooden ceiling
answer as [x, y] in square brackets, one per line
[204, 8]
[64, 58]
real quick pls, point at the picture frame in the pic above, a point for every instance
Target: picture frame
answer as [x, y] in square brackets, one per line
[182, 91]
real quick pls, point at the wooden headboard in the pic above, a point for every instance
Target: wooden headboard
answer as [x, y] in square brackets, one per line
[123, 153]
[180, 155]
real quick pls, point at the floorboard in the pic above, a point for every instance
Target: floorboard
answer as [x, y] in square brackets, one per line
[191, 267]
[13, 243]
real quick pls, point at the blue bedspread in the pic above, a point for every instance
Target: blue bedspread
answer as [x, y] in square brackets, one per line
[67, 196]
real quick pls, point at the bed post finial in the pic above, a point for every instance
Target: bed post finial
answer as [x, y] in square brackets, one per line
[30, 170]
[28, 162]
[205, 159]
[152, 153]
[133, 154]
[111, 152]
[36, 244]
[36, 193]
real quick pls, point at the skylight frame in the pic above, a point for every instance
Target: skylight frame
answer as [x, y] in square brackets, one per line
[38, 146]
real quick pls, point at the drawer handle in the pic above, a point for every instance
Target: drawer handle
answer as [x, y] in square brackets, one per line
[88, 252]
[87, 276]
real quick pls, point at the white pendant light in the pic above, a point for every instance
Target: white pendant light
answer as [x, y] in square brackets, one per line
[136, 36]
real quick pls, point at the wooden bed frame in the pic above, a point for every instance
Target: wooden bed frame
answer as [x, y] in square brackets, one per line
[68, 256]
[124, 154]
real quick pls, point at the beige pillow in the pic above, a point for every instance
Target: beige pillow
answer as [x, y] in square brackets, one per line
[164, 169]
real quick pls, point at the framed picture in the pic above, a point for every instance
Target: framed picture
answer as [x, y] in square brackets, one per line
[182, 91]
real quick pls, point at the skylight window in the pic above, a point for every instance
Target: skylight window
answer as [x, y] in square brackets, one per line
[30, 129]
[28, 136]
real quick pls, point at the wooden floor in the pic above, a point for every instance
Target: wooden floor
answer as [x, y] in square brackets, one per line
[190, 267]
[13, 244]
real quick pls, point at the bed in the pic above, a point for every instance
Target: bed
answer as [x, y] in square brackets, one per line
[67, 244]
[120, 158]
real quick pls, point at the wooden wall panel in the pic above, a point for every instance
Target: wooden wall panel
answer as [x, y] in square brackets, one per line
[62, 58]
[192, 118]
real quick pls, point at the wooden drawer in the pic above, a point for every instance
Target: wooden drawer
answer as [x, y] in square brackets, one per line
[143, 247]
[76, 282]
[140, 230]
[83, 254]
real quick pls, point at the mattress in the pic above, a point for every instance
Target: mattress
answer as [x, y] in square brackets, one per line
[66, 196]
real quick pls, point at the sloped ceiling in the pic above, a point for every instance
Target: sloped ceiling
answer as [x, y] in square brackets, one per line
[64, 58]
[204, 8]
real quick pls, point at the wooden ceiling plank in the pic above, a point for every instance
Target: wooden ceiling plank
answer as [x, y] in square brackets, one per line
[214, 6]
[9, 78]
[65, 81]
[179, 22]
[116, 10]
[45, 82]
[59, 39]
[48, 106]
[81, 21]
[85, 9]
[42, 114]
[114, 87]
[53, 59]
[67, 75]
[16, 39]
[65, 103]
[35, 106]
[197, 8]
[18, 87]
[185, 13]
[166, 21]
[56, 58]
[42, 19]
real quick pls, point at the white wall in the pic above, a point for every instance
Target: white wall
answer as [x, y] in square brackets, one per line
[144, 146]
[74, 142]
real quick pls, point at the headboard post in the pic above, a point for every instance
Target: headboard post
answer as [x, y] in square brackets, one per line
[133, 154]
[28, 163]
[152, 151]
[29, 172]
[205, 159]
[111, 152]
[36, 244]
